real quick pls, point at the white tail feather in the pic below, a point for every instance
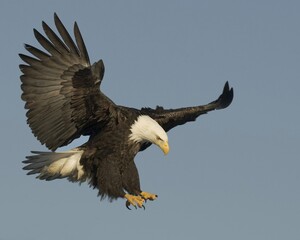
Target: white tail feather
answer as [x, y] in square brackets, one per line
[52, 165]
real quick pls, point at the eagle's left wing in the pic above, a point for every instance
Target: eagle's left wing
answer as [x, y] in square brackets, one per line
[169, 118]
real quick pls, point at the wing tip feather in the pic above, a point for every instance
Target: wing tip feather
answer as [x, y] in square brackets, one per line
[226, 97]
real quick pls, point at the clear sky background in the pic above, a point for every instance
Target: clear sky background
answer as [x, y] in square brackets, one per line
[233, 174]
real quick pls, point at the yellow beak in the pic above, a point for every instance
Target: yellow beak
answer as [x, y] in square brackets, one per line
[164, 146]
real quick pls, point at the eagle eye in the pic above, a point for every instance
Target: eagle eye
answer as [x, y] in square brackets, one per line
[158, 138]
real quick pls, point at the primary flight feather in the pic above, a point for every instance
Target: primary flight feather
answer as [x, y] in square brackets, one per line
[64, 101]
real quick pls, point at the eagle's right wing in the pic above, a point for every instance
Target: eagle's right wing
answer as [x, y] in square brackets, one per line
[61, 87]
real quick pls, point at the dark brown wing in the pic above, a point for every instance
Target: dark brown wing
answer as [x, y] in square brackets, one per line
[61, 88]
[169, 118]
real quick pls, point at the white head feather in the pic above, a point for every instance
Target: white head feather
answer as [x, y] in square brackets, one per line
[147, 129]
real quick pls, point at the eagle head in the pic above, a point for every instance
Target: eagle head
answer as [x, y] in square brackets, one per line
[146, 129]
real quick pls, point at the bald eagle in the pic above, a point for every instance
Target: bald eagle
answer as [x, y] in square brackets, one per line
[62, 95]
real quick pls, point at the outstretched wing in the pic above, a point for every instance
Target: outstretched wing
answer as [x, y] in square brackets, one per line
[61, 87]
[169, 118]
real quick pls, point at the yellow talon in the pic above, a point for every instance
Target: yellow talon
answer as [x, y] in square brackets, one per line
[134, 201]
[148, 196]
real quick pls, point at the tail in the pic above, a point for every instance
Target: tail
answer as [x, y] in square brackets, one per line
[55, 165]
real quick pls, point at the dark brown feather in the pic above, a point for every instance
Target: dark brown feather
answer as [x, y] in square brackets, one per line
[61, 89]
[170, 118]
[80, 43]
[65, 36]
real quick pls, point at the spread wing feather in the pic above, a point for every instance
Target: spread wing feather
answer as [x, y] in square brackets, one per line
[61, 87]
[170, 118]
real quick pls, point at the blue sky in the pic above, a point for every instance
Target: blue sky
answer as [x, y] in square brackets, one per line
[233, 174]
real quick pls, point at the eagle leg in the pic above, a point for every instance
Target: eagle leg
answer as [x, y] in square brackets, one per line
[136, 201]
[148, 196]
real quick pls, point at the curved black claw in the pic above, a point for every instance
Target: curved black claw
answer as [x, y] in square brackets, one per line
[128, 204]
